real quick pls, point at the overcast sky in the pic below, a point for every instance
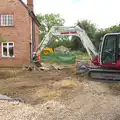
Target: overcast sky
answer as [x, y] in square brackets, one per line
[103, 13]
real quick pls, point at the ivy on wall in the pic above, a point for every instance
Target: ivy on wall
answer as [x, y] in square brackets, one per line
[3, 39]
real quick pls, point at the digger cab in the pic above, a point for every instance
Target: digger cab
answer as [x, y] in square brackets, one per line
[110, 51]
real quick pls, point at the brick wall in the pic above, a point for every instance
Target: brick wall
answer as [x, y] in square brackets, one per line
[19, 34]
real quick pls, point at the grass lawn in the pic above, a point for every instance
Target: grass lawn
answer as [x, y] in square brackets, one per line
[80, 55]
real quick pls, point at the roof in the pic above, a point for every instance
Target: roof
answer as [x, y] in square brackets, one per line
[31, 13]
[117, 33]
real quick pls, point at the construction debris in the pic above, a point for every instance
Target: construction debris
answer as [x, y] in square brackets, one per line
[62, 49]
[58, 67]
[4, 97]
[44, 66]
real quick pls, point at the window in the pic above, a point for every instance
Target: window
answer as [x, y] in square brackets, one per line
[6, 20]
[110, 42]
[109, 49]
[7, 49]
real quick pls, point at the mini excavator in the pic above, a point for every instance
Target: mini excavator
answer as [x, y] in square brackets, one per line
[106, 60]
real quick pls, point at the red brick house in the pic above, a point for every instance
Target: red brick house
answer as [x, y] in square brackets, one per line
[19, 28]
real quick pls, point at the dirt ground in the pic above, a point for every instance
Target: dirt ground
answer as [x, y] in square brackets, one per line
[57, 95]
[38, 86]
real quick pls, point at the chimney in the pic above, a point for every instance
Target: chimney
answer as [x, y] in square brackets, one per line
[30, 4]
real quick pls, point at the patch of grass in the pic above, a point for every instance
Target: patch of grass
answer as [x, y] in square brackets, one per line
[68, 83]
[52, 94]
[48, 94]
[80, 55]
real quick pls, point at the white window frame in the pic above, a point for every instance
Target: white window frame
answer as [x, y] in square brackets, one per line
[7, 49]
[6, 21]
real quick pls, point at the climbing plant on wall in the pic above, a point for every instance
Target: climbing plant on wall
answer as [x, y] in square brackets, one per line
[3, 39]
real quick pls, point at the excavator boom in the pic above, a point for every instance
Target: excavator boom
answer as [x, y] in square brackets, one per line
[100, 70]
[71, 31]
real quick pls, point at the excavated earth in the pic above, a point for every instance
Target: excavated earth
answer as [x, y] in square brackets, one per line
[57, 95]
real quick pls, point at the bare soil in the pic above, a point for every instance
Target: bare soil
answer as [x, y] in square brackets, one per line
[57, 95]
[36, 86]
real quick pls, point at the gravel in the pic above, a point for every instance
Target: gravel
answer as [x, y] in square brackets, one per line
[87, 101]
[19, 111]
[89, 104]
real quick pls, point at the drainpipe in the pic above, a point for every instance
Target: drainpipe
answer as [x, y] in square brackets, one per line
[32, 42]
[31, 37]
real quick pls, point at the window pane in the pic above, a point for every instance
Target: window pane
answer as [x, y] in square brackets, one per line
[4, 44]
[109, 49]
[5, 51]
[11, 51]
[4, 20]
[11, 44]
[10, 20]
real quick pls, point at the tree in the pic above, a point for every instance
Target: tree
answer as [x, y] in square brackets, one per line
[89, 28]
[101, 32]
[77, 44]
[61, 40]
[95, 34]
[47, 21]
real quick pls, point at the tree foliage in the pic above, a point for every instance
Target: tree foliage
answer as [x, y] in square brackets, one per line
[47, 21]
[65, 41]
[101, 32]
[95, 34]
[89, 28]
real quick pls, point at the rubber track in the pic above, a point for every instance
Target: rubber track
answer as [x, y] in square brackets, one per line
[104, 74]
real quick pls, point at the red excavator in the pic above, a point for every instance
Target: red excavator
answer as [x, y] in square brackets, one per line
[106, 60]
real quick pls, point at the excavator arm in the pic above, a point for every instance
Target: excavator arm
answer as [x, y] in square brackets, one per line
[71, 31]
[95, 72]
